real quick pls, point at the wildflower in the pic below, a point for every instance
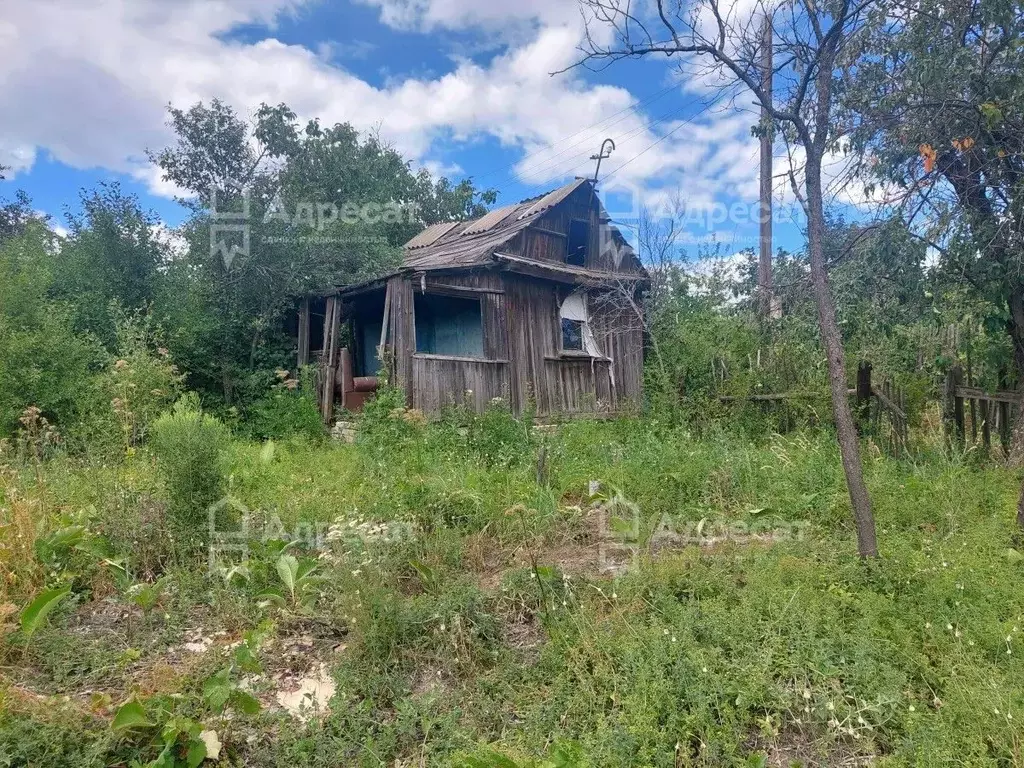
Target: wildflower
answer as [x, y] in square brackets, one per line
[911, 708]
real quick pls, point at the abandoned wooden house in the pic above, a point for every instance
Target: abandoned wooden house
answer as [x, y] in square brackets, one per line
[536, 303]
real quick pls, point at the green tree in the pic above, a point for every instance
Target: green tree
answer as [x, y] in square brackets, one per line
[939, 112]
[43, 362]
[325, 207]
[818, 45]
[111, 258]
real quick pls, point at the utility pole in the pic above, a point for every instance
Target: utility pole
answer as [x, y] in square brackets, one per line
[766, 300]
[606, 151]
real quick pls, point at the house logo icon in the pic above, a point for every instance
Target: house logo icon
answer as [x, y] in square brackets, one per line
[225, 223]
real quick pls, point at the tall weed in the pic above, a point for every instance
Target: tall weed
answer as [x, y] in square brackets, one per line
[189, 448]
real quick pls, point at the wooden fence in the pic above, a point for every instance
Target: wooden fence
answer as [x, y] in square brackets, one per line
[972, 407]
[881, 409]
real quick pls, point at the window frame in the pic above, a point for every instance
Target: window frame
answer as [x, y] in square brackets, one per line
[583, 249]
[582, 326]
[440, 292]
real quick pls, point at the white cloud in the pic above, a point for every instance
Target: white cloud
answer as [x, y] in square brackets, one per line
[89, 83]
[463, 14]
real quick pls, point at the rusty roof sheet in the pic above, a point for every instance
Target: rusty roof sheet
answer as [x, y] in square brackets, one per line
[491, 220]
[431, 234]
[469, 243]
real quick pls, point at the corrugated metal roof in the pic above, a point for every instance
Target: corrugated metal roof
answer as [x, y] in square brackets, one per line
[552, 198]
[432, 234]
[474, 242]
[491, 220]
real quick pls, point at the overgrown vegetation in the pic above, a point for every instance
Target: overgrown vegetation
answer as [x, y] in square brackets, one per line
[463, 616]
[192, 573]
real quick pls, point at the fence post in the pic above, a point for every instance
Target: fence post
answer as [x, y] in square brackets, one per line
[954, 406]
[863, 396]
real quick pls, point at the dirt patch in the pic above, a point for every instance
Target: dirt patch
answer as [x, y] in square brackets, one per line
[427, 681]
[795, 746]
[583, 548]
[297, 667]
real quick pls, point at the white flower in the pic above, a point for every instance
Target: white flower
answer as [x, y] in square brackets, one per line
[911, 708]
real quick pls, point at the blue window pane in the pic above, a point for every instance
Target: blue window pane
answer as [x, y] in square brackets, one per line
[572, 334]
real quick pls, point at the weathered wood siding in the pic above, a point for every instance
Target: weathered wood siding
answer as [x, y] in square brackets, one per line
[578, 385]
[619, 333]
[401, 332]
[547, 239]
[433, 382]
[438, 382]
[522, 331]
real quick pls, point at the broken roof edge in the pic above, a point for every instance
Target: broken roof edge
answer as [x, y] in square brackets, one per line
[567, 272]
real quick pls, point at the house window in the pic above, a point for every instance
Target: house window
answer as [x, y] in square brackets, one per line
[576, 333]
[579, 239]
[448, 325]
[572, 334]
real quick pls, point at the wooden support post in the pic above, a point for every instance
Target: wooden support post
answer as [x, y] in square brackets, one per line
[347, 381]
[1004, 411]
[972, 402]
[986, 425]
[303, 356]
[863, 396]
[1004, 426]
[332, 323]
[954, 406]
[958, 406]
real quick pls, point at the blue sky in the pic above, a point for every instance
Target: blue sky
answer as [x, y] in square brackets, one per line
[461, 87]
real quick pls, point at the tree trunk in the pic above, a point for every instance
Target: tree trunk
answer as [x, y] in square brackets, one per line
[849, 446]
[1015, 329]
[1020, 509]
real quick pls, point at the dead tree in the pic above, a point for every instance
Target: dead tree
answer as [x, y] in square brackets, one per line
[813, 51]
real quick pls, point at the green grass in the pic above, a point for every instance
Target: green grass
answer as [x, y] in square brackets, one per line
[475, 623]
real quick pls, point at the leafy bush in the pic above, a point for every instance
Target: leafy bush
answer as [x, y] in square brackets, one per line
[290, 408]
[499, 438]
[138, 384]
[188, 445]
[43, 362]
